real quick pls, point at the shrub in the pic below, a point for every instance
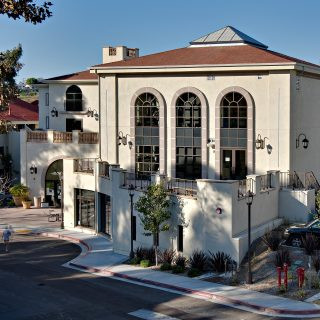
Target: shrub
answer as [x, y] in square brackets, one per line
[181, 261]
[177, 269]
[139, 253]
[300, 294]
[219, 262]
[135, 261]
[150, 254]
[194, 272]
[198, 260]
[145, 263]
[19, 190]
[310, 244]
[272, 240]
[167, 256]
[282, 256]
[165, 266]
[316, 261]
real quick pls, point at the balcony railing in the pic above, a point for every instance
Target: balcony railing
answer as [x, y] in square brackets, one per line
[265, 182]
[88, 137]
[244, 187]
[83, 165]
[290, 180]
[104, 169]
[37, 136]
[138, 180]
[62, 137]
[182, 187]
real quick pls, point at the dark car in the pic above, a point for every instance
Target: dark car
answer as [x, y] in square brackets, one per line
[296, 234]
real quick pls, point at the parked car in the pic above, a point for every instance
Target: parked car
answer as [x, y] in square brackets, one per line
[295, 234]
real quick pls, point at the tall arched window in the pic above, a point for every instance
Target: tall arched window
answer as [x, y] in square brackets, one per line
[147, 133]
[188, 136]
[73, 99]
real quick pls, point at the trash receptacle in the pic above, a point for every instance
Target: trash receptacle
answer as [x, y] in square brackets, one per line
[37, 201]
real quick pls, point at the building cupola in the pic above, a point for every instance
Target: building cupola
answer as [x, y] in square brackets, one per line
[119, 53]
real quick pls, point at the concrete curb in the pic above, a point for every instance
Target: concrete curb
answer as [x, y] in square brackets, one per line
[205, 294]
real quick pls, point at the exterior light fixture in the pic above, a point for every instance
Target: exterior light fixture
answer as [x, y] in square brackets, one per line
[131, 195]
[218, 211]
[33, 169]
[249, 200]
[92, 113]
[260, 143]
[123, 139]
[54, 112]
[305, 141]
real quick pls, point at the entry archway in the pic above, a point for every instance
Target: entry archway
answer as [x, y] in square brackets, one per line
[53, 180]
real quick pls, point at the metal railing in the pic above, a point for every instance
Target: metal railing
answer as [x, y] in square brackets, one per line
[104, 169]
[290, 180]
[88, 138]
[37, 136]
[83, 165]
[311, 181]
[265, 182]
[244, 187]
[182, 187]
[62, 137]
[138, 180]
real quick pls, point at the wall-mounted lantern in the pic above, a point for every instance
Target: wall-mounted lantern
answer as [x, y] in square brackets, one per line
[218, 211]
[123, 139]
[260, 143]
[305, 141]
[54, 112]
[92, 113]
[33, 169]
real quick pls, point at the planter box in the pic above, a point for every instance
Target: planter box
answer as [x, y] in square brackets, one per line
[26, 204]
[17, 201]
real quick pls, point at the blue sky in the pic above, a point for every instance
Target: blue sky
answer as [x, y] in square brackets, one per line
[72, 39]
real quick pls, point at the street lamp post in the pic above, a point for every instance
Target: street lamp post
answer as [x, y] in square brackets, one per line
[131, 194]
[249, 199]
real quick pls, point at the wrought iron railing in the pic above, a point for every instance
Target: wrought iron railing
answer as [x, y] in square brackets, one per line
[138, 181]
[290, 180]
[104, 169]
[37, 136]
[311, 181]
[83, 165]
[182, 187]
[265, 182]
[62, 137]
[245, 186]
[88, 137]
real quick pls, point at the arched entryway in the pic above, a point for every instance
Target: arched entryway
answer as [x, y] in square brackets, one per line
[53, 180]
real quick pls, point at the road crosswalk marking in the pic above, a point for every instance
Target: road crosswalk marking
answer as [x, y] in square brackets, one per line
[150, 315]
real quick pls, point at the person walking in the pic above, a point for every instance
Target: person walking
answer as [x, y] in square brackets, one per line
[6, 234]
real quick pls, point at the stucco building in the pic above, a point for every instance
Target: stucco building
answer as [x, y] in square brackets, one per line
[213, 120]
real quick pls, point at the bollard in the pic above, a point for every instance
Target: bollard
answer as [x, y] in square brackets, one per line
[300, 272]
[279, 276]
[285, 269]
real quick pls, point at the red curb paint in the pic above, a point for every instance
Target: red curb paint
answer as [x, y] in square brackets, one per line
[181, 289]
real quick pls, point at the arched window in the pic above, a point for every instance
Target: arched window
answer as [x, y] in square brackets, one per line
[188, 136]
[73, 99]
[147, 133]
[233, 117]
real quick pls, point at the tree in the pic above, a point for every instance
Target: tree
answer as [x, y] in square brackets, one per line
[9, 68]
[154, 212]
[31, 81]
[27, 9]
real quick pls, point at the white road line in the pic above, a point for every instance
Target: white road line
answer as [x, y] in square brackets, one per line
[150, 315]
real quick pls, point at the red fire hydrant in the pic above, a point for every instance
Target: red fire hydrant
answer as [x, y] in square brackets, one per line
[285, 269]
[300, 272]
[279, 269]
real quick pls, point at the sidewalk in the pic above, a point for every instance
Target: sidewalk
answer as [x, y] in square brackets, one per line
[98, 257]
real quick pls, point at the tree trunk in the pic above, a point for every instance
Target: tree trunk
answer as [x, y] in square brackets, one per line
[156, 253]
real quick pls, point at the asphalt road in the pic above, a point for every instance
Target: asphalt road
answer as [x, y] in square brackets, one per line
[34, 285]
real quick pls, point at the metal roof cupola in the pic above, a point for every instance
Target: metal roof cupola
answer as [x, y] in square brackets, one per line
[226, 36]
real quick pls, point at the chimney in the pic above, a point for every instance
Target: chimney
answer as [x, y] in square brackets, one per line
[112, 54]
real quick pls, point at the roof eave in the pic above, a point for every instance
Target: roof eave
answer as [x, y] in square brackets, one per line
[70, 81]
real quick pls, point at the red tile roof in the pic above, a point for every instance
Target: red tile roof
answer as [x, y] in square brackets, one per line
[81, 75]
[20, 110]
[210, 55]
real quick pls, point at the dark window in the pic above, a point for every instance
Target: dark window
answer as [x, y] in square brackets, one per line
[233, 120]
[47, 99]
[147, 133]
[188, 136]
[73, 99]
[180, 239]
[134, 228]
[85, 208]
[73, 124]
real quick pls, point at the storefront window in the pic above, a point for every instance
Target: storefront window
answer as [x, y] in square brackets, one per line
[85, 208]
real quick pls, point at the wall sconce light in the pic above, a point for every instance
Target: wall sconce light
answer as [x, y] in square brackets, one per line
[260, 143]
[33, 169]
[305, 141]
[54, 112]
[123, 139]
[92, 113]
[218, 211]
[211, 143]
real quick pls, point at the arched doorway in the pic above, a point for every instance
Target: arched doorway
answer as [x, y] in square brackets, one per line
[53, 180]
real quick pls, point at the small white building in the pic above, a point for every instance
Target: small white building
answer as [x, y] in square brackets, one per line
[213, 120]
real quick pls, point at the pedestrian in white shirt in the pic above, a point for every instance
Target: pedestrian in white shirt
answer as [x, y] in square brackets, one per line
[6, 234]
